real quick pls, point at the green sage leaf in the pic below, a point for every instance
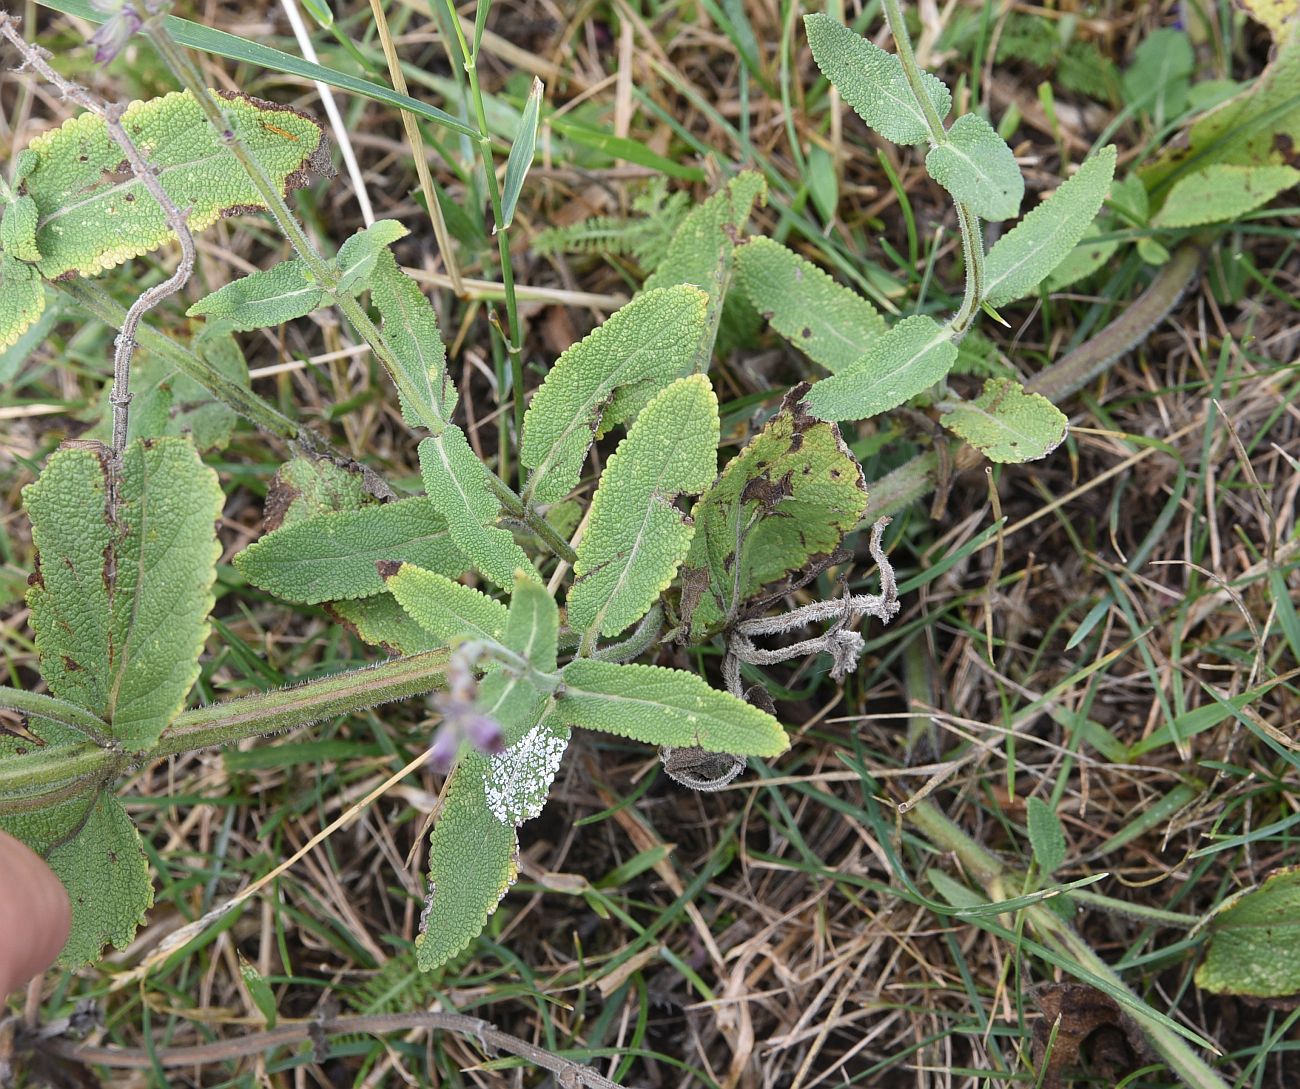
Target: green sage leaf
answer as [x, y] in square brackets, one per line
[264, 298]
[639, 350]
[447, 610]
[1024, 257]
[827, 321]
[361, 252]
[1046, 836]
[332, 557]
[665, 707]
[872, 81]
[910, 358]
[120, 610]
[1221, 192]
[18, 229]
[1254, 945]
[382, 622]
[637, 538]
[22, 298]
[1006, 424]
[975, 165]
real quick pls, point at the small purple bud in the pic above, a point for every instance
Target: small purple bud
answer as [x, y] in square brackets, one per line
[111, 38]
[442, 753]
[484, 733]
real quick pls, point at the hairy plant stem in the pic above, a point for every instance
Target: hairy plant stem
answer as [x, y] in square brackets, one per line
[300, 705]
[915, 479]
[57, 710]
[985, 870]
[972, 243]
[514, 342]
[23, 774]
[324, 272]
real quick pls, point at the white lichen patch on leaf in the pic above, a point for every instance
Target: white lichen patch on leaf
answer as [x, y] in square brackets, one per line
[519, 779]
[95, 214]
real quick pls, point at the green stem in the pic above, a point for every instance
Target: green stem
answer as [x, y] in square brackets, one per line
[972, 246]
[240, 399]
[903, 47]
[301, 705]
[57, 710]
[21, 774]
[543, 529]
[984, 869]
[514, 343]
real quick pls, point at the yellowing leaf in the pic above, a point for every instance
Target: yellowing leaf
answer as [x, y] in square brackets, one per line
[784, 502]
[830, 323]
[332, 556]
[18, 229]
[637, 538]
[638, 350]
[1280, 16]
[120, 610]
[665, 707]
[22, 298]
[1223, 191]
[1007, 424]
[94, 214]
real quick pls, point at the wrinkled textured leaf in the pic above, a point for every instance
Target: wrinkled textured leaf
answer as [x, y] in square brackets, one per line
[519, 779]
[1255, 941]
[910, 358]
[332, 556]
[785, 501]
[702, 253]
[361, 252]
[124, 641]
[1024, 257]
[1007, 424]
[1159, 78]
[22, 298]
[533, 623]
[95, 214]
[447, 610]
[872, 81]
[457, 485]
[382, 622]
[304, 487]
[93, 847]
[640, 348]
[637, 538]
[828, 322]
[665, 707]
[1046, 836]
[18, 229]
[264, 298]
[1223, 191]
[32, 337]
[410, 327]
[473, 861]
[977, 168]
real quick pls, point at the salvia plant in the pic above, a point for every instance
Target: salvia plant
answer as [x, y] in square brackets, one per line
[524, 607]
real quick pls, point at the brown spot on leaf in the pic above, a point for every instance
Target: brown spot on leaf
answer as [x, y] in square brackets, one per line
[387, 568]
[767, 494]
[70, 665]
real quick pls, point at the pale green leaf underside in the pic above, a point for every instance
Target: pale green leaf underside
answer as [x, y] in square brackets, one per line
[382, 622]
[787, 499]
[1045, 835]
[262, 299]
[1223, 191]
[975, 165]
[914, 355]
[332, 556]
[22, 299]
[533, 623]
[519, 780]
[410, 328]
[637, 538]
[1024, 257]
[125, 647]
[702, 253]
[872, 81]
[1007, 424]
[447, 610]
[95, 215]
[825, 320]
[457, 485]
[665, 707]
[1255, 941]
[361, 252]
[641, 347]
[473, 861]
